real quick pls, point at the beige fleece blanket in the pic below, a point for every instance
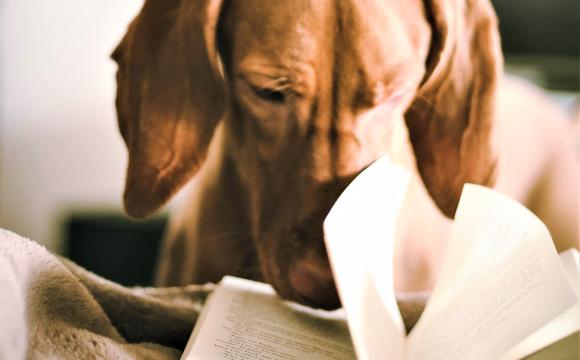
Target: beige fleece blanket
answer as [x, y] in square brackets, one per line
[51, 308]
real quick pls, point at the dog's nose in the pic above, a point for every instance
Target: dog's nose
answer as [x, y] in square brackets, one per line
[315, 285]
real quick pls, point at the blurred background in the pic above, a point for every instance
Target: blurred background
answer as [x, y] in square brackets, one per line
[62, 160]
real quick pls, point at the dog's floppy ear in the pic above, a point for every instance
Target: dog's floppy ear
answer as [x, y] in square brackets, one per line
[169, 97]
[451, 118]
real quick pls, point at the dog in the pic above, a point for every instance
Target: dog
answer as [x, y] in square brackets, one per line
[268, 109]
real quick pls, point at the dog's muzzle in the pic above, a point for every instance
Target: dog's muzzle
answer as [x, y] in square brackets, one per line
[314, 285]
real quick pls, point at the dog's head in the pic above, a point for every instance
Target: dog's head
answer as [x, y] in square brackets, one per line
[308, 91]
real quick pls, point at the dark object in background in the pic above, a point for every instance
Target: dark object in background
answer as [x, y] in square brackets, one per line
[540, 26]
[541, 40]
[115, 247]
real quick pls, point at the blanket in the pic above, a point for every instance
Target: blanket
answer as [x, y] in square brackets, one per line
[50, 308]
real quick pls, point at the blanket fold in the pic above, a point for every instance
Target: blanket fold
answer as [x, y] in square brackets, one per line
[50, 308]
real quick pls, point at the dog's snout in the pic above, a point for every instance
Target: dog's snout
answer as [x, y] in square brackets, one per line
[314, 284]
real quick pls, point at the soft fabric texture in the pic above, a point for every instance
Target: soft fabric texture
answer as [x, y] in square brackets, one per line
[50, 308]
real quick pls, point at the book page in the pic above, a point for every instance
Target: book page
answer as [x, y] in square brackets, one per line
[563, 325]
[501, 280]
[359, 234]
[245, 320]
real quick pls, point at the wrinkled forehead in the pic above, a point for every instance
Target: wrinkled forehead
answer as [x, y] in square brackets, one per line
[277, 30]
[371, 33]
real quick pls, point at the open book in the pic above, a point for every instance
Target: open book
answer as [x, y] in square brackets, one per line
[503, 292]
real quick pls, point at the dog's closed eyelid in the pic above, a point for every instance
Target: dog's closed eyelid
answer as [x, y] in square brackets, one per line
[275, 91]
[277, 95]
[295, 83]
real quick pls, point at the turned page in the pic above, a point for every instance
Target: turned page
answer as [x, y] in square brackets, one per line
[244, 319]
[566, 324]
[501, 280]
[359, 234]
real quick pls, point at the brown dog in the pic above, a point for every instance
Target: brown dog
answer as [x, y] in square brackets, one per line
[296, 98]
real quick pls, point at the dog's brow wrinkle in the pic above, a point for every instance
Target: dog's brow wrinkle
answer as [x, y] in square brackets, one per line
[280, 84]
[277, 65]
[263, 64]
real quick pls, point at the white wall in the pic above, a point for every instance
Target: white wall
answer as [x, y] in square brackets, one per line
[59, 143]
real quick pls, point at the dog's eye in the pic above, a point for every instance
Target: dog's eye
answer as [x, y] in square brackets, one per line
[272, 95]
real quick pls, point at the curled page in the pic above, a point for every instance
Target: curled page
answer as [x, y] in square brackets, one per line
[502, 279]
[359, 234]
[562, 326]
